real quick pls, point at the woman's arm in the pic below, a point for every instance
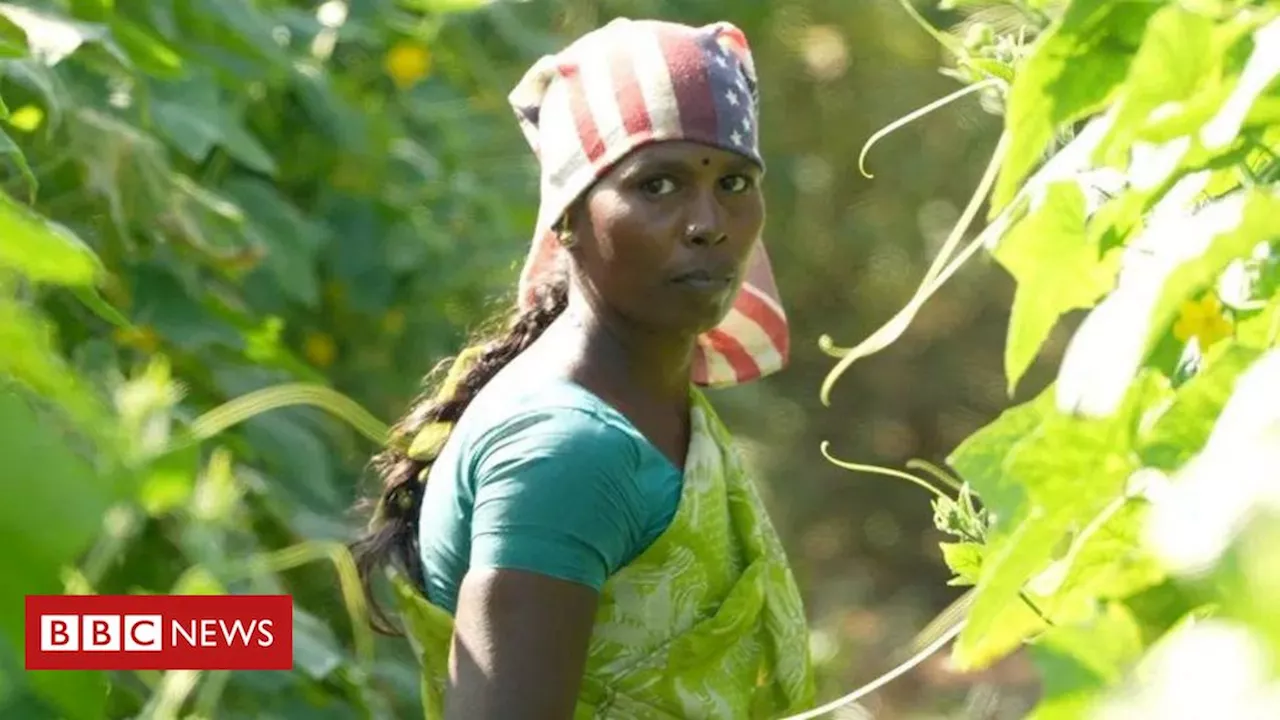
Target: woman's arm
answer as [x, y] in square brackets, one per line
[558, 507]
[519, 646]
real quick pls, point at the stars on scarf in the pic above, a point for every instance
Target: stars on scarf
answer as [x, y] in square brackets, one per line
[732, 97]
[736, 137]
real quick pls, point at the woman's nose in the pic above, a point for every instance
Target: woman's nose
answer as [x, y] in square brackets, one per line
[704, 223]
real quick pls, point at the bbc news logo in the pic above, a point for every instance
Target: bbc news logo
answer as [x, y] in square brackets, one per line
[159, 632]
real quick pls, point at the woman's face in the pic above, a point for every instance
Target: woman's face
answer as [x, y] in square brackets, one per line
[663, 239]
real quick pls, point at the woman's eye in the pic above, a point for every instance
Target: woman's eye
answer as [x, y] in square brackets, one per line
[736, 183]
[658, 186]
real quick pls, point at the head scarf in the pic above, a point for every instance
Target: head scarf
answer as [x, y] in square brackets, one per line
[627, 84]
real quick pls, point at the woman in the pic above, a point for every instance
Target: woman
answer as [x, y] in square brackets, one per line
[578, 535]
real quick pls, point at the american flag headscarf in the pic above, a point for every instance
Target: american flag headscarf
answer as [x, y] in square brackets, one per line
[630, 83]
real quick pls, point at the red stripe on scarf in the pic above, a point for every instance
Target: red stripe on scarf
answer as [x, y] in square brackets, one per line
[686, 62]
[760, 313]
[744, 367]
[588, 133]
[635, 115]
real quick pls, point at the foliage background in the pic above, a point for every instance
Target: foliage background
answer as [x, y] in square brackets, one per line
[206, 198]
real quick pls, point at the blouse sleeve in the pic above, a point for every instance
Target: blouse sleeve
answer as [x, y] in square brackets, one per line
[556, 493]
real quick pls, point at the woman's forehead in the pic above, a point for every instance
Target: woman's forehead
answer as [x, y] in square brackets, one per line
[685, 152]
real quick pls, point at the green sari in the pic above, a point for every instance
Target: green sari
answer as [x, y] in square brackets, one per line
[707, 623]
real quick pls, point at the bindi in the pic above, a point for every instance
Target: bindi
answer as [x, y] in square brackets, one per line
[706, 161]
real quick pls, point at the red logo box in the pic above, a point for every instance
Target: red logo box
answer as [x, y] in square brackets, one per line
[159, 632]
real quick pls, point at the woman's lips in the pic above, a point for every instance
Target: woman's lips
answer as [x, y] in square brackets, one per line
[704, 280]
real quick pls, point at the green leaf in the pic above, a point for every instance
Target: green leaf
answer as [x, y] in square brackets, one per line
[1069, 469]
[9, 148]
[1079, 662]
[298, 460]
[164, 304]
[1160, 607]
[1249, 578]
[51, 37]
[150, 52]
[43, 81]
[1245, 219]
[964, 559]
[290, 238]
[1108, 559]
[316, 651]
[170, 480]
[1261, 69]
[187, 115]
[13, 39]
[193, 117]
[980, 459]
[1008, 563]
[43, 250]
[1183, 54]
[442, 7]
[54, 503]
[92, 10]
[1072, 72]
[1181, 431]
[1260, 330]
[31, 357]
[1057, 271]
[244, 147]
[242, 25]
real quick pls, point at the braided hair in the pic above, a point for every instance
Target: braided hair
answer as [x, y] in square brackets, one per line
[391, 539]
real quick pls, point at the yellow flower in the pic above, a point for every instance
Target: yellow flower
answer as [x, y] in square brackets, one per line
[1202, 319]
[407, 62]
[320, 349]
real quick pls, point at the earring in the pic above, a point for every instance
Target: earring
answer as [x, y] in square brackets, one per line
[565, 237]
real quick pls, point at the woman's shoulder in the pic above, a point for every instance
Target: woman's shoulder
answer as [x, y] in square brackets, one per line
[549, 416]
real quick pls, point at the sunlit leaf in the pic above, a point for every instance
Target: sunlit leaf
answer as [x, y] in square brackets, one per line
[1067, 470]
[1261, 69]
[169, 480]
[1183, 54]
[43, 250]
[1256, 223]
[13, 39]
[1213, 496]
[1057, 271]
[1073, 71]
[1182, 429]
[1108, 559]
[965, 561]
[1182, 249]
[980, 459]
[30, 357]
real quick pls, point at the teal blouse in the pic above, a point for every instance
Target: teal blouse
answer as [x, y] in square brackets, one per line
[545, 477]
